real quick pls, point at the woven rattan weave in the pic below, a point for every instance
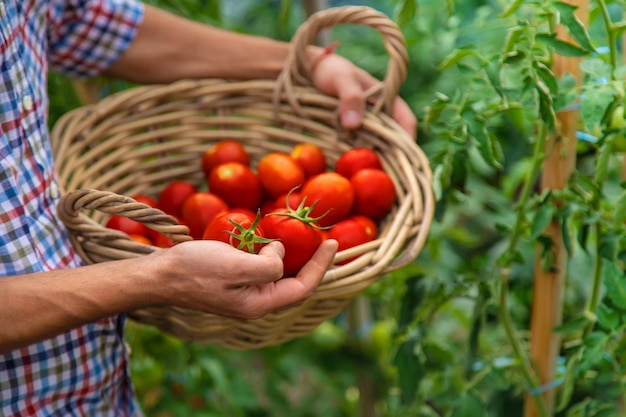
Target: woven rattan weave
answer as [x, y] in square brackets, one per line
[137, 140]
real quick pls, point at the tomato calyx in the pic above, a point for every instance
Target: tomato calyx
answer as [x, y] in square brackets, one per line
[302, 213]
[247, 237]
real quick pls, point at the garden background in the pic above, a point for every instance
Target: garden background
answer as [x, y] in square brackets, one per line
[449, 334]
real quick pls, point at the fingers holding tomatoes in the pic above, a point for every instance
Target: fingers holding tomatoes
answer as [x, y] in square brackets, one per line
[288, 292]
[237, 284]
[298, 234]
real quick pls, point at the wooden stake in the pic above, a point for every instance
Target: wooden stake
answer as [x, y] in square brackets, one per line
[547, 309]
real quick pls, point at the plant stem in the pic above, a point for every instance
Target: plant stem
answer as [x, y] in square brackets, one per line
[474, 334]
[610, 32]
[594, 298]
[538, 159]
[518, 351]
[505, 316]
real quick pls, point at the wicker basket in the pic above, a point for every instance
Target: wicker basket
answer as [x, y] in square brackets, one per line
[137, 140]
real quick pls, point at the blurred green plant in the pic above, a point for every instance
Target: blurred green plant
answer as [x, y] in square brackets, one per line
[447, 334]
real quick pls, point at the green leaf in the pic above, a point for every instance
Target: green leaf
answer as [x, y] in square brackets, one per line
[620, 210]
[407, 13]
[597, 98]
[608, 317]
[438, 179]
[547, 76]
[412, 300]
[215, 370]
[562, 47]
[437, 354]
[606, 410]
[433, 112]
[284, 12]
[615, 284]
[594, 350]
[410, 370]
[573, 25]
[565, 233]
[458, 55]
[512, 8]
[596, 69]
[515, 113]
[468, 405]
[578, 323]
[583, 236]
[542, 220]
[547, 253]
[569, 381]
[489, 147]
[546, 108]
[580, 409]
[608, 246]
[512, 37]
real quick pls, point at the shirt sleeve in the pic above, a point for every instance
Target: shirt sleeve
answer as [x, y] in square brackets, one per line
[86, 36]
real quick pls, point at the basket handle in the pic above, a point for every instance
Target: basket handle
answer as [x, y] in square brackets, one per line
[71, 204]
[298, 67]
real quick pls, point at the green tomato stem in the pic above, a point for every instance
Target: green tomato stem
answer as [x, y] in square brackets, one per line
[505, 315]
[538, 159]
[610, 32]
[518, 351]
[594, 298]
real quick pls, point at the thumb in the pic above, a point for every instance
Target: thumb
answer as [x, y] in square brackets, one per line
[273, 249]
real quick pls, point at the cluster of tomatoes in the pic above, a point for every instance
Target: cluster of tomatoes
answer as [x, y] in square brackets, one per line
[293, 197]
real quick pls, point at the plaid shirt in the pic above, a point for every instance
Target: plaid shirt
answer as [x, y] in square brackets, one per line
[84, 371]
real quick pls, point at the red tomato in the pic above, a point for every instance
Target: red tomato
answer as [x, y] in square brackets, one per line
[222, 152]
[374, 193]
[145, 199]
[245, 211]
[126, 225]
[279, 173]
[173, 196]
[370, 225]
[163, 241]
[141, 239]
[249, 235]
[198, 209]
[310, 157]
[294, 198]
[236, 184]
[349, 233]
[299, 238]
[333, 197]
[356, 159]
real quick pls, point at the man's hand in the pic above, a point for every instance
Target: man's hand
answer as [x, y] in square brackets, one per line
[216, 278]
[336, 76]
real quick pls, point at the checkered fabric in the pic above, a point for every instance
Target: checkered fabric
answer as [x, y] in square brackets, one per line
[83, 372]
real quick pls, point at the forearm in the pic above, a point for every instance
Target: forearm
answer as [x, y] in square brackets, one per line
[168, 48]
[203, 275]
[38, 306]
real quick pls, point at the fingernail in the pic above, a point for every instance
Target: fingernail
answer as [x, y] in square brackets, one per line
[351, 119]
